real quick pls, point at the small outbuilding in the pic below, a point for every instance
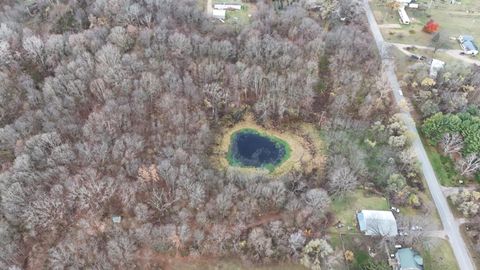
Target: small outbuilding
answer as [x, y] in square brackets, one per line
[116, 219]
[435, 67]
[377, 223]
[408, 259]
[219, 14]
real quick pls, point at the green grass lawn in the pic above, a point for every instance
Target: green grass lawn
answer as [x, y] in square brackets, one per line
[471, 245]
[344, 208]
[437, 254]
[443, 167]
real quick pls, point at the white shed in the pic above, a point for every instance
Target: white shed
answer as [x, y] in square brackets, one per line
[219, 14]
[116, 219]
[374, 222]
[228, 6]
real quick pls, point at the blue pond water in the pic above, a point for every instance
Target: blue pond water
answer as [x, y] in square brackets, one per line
[254, 150]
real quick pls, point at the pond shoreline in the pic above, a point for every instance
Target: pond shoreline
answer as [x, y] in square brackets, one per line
[304, 154]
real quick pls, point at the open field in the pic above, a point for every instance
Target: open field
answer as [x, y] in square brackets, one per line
[344, 208]
[437, 254]
[454, 20]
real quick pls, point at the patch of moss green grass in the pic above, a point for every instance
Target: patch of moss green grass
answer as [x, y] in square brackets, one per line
[278, 143]
[444, 167]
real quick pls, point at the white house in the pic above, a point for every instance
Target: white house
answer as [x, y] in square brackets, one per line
[377, 223]
[219, 14]
[228, 6]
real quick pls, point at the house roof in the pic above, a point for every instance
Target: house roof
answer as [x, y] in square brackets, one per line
[373, 222]
[469, 45]
[409, 259]
[467, 38]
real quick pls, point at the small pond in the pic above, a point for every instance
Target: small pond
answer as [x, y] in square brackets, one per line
[250, 148]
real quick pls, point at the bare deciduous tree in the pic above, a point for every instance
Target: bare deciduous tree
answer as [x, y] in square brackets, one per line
[452, 143]
[469, 164]
[342, 180]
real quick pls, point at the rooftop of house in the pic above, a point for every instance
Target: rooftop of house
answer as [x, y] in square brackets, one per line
[374, 222]
[409, 259]
[468, 43]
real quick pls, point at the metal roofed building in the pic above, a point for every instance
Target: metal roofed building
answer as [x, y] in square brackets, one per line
[377, 223]
[468, 44]
[408, 259]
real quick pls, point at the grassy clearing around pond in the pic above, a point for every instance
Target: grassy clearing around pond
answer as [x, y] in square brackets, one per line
[303, 143]
[278, 143]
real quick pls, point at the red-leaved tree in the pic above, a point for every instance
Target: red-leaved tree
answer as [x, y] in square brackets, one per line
[431, 27]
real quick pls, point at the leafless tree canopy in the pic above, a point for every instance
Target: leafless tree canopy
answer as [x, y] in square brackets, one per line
[451, 143]
[109, 108]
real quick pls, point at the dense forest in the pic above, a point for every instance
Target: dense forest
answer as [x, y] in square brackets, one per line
[108, 108]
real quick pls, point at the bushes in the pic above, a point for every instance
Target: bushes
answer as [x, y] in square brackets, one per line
[467, 202]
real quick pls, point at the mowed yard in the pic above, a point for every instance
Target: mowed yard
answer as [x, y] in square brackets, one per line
[345, 208]
[437, 254]
[454, 20]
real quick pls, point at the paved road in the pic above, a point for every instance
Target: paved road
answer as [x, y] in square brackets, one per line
[450, 226]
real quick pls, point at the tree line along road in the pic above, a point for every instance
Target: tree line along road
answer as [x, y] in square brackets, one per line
[450, 225]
